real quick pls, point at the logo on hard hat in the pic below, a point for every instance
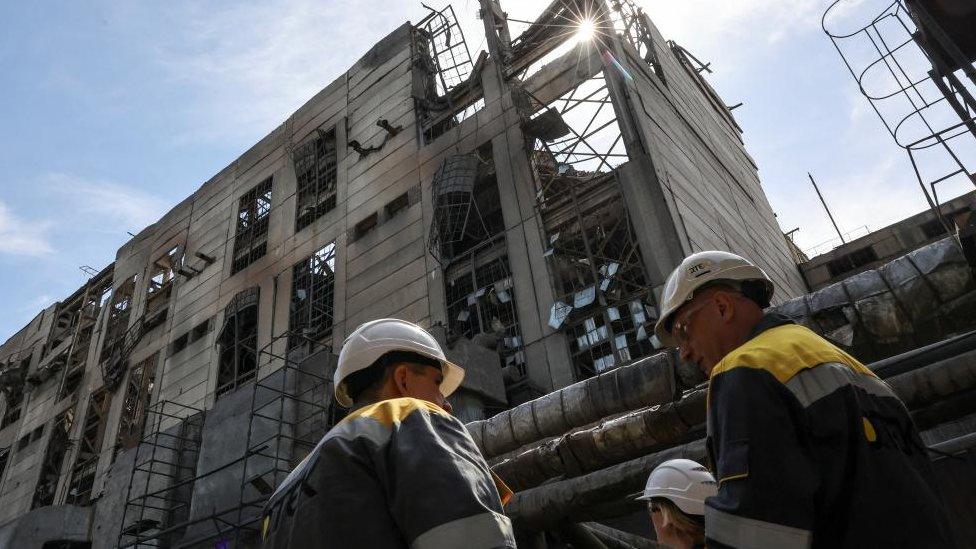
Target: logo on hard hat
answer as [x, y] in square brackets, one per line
[699, 269]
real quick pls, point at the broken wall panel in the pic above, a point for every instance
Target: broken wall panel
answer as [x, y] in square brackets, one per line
[135, 404]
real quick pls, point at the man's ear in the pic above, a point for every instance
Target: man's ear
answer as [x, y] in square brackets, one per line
[400, 376]
[726, 305]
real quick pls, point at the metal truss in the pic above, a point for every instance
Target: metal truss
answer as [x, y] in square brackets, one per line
[918, 83]
[602, 298]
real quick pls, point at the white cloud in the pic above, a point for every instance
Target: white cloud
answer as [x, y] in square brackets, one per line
[23, 237]
[250, 65]
[710, 25]
[104, 204]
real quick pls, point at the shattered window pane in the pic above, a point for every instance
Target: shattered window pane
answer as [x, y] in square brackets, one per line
[316, 169]
[312, 307]
[251, 238]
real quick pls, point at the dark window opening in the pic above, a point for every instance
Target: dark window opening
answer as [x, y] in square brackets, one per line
[198, 332]
[397, 205]
[365, 226]
[851, 261]
[467, 234]
[316, 172]
[72, 380]
[14, 398]
[933, 229]
[312, 287]
[238, 339]
[179, 344]
[89, 448]
[58, 445]
[23, 443]
[251, 237]
[135, 406]
[4, 456]
[160, 287]
[118, 317]
[37, 433]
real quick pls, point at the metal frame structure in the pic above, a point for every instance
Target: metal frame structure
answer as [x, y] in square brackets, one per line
[602, 297]
[453, 87]
[152, 518]
[290, 410]
[926, 107]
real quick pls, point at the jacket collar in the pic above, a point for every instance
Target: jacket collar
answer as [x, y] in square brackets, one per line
[768, 321]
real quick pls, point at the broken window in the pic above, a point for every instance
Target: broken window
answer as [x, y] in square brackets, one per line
[851, 261]
[238, 340]
[312, 289]
[58, 445]
[251, 237]
[135, 405]
[467, 235]
[316, 171]
[89, 448]
[450, 82]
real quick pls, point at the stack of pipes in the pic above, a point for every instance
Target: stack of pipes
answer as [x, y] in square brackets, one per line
[581, 453]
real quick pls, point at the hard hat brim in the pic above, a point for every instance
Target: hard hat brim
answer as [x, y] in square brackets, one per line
[453, 376]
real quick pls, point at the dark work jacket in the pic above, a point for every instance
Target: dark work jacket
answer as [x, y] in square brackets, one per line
[396, 474]
[811, 449]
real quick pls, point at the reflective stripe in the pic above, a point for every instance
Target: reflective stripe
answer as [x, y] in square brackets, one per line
[812, 384]
[484, 531]
[747, 533]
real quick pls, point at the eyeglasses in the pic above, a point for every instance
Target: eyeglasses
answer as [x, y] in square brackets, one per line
[679, 329]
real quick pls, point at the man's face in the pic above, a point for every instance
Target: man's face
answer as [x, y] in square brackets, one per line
[423, 382]
[698, 327]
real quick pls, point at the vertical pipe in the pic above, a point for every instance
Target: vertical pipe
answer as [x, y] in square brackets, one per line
[824, 202]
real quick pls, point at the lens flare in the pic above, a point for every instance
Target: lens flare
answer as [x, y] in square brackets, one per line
[586, 30]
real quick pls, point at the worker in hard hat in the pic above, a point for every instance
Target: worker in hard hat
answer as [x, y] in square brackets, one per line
[399, 471]
[809, 447]
[675, 494]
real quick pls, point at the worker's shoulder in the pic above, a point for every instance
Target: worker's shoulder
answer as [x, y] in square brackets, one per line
[395, 410]
[785, 351]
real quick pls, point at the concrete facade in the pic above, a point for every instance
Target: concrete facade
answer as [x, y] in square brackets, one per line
[176, 326]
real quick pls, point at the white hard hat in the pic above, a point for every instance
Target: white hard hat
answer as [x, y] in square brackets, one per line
[683, 482]
[697, 270]
[367, 343]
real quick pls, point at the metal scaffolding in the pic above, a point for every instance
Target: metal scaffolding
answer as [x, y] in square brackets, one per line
[289, 411]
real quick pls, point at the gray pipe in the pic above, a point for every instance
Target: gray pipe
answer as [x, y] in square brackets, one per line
[645, 382]
[920, 298]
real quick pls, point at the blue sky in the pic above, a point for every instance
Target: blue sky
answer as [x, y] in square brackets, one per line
[114, 111]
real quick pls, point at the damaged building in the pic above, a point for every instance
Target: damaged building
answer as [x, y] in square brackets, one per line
[525, 204]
